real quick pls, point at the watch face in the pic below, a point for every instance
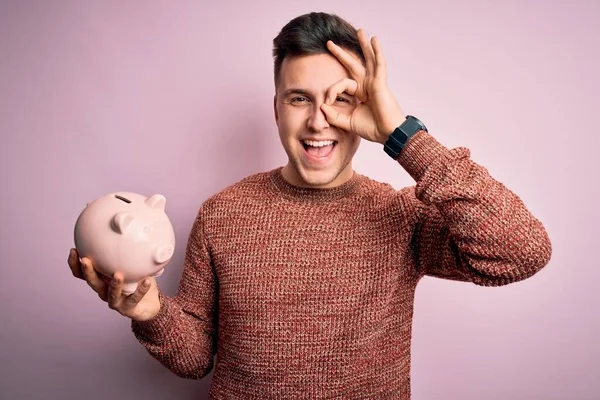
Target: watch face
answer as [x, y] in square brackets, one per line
[416, 120]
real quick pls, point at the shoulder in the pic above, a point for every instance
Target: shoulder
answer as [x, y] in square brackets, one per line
[384, 195]
[387, 204]
[237, 195]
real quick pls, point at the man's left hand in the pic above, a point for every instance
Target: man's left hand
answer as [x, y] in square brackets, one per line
[378, 113]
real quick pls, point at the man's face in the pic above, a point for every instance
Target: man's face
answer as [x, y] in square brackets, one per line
[319, 154]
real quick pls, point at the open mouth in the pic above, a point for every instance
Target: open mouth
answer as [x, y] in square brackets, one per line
[319, 149]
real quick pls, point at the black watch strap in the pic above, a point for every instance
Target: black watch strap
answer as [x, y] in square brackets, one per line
[397, 140]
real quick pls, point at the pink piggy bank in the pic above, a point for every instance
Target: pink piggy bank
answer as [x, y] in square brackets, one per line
[126, 232]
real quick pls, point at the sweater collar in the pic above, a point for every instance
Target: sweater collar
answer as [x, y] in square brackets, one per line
[340, 192]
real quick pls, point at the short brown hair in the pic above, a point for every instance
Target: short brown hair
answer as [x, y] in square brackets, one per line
[309, 33]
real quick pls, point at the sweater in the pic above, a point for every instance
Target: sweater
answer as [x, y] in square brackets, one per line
[303, 293]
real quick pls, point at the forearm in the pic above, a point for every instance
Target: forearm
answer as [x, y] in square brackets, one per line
[477, 225]
[179, 340]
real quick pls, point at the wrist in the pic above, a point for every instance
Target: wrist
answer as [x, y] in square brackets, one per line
[148, 315]
[389, 127]
[401, 134]
[151, 308]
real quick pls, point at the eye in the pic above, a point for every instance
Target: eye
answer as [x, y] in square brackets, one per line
[341, 99]
[298, 99]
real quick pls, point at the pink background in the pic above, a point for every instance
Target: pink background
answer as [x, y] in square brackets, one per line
[176, 98]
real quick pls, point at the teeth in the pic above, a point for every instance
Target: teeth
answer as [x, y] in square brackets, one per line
[314, 143]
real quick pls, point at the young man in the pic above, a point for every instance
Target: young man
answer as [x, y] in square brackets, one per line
[301, 280]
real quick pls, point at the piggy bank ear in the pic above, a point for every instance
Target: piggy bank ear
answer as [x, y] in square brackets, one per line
[121, 221]
[157, 201]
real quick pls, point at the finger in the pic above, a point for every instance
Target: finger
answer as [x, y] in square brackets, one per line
[346, 85]
[365, 45]
[353, 65]
[74, 264]
[336, 118]
[91, 277]
[356, 57]
[134, 298]
[380, 64]
[115, 291]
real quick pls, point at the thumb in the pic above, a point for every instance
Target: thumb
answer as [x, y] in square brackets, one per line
[336, 118]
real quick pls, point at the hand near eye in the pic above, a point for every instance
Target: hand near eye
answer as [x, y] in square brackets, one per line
[378, 112]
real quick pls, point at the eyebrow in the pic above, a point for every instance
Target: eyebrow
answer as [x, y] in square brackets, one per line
[305, 92]
[296, 91]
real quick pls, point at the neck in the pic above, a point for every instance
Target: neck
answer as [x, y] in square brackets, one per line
[313, 195]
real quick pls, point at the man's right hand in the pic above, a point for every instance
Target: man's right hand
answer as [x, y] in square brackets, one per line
[141, 305]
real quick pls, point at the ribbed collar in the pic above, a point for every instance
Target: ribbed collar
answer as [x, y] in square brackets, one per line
[344, 191]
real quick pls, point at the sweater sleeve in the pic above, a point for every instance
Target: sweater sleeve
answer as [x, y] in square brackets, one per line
[182, 336]
[469, 227]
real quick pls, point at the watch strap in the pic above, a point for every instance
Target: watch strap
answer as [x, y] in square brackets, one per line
[397, 140]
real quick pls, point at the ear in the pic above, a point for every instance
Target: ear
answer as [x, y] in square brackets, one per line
[275, 108]
[157, 201]
[121, 221]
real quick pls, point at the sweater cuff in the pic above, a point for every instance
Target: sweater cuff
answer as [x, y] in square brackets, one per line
[420, 152]
[158, 328]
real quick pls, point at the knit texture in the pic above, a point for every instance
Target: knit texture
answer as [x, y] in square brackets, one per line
[308, 293]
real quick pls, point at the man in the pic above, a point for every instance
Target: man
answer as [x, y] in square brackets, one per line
[301, 280]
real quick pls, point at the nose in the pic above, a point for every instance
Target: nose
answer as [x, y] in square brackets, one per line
[317, 121]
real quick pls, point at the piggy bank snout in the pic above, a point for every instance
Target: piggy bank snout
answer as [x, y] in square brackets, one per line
[163, 253]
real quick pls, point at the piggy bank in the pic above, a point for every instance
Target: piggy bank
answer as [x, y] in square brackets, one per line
[126, 232]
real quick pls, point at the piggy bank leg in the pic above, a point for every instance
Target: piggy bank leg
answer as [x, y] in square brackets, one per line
[129, 287]
[159, 273]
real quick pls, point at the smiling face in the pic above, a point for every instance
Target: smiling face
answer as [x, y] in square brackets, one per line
[320, 155]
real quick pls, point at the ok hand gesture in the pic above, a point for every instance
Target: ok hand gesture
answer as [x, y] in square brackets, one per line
[378, 112]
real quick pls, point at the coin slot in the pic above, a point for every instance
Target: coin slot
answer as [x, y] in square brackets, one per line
[122, 198]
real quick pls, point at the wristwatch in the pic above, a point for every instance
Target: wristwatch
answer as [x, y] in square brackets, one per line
[397, 140]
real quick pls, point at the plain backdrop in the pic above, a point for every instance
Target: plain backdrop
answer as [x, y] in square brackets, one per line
[176, 98]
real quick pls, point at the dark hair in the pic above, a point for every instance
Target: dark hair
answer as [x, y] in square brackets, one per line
[309, 33]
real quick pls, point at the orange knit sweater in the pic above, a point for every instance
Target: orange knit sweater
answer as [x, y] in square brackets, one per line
[308, 293]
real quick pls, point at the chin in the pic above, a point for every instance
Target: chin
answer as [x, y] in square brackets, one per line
[321, 178]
